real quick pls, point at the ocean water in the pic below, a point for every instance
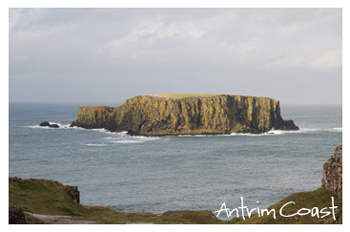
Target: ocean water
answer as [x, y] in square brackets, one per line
[158, 174]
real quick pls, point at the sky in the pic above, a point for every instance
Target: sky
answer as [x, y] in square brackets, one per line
[293, 55]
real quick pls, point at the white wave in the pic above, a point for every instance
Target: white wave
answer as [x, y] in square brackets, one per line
[37, 126]
[145, 138]
[95, 145]
[109, 138]
[275, 132]
[131, 139]
[335, 129]
[61, 126]
[269, 133]
[248, 134]
[281, 132]
[99, 130]
[128, 141]
[76, 127]
[196, 135]
[41, 127]
[306, 129]
[123, 133]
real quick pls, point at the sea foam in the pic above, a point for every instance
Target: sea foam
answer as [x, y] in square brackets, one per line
[95, 145]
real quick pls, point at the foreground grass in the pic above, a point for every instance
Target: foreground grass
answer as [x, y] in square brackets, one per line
[108, 216]
[44, 197]
[319, 198]
[50, 197]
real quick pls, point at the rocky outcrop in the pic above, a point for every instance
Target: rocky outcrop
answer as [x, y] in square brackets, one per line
[289, 125]
[49, 125]
[74, 193]
[332, 178]
[54, 126]
[90, 117]
[16, 215]
[175, 114]
[44, 124]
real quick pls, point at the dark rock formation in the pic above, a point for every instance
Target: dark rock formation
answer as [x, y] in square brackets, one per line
[339, 217]
[74, 194]
[16, 215]
[49, 125]
[44, 124]
[332, 172]
[54, 126]
[289, 125]
[174, 114]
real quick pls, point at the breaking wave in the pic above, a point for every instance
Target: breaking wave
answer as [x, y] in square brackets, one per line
[96, 145]
[61, 126]
[124, 137]
[282, 132]
[129, 141]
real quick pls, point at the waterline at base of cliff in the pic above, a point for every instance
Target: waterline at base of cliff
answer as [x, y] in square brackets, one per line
[186, 114]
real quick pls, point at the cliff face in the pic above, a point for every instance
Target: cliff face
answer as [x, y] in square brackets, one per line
[171, 114]
[90, 117]
[332, 178]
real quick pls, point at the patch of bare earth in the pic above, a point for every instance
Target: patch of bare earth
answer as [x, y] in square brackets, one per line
[58, 219]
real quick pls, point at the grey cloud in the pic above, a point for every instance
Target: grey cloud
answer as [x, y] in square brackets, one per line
[103, 54]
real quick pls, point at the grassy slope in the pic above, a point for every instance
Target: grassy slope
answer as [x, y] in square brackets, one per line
[49, 197]
[43, 197]
[319, 198]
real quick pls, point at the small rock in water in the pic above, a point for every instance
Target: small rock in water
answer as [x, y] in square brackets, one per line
[44, 124]
[54, 126]
[49, 125]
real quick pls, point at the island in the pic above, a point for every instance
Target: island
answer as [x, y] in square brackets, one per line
[186, 114]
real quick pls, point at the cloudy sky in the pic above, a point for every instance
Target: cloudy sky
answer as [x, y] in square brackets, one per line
[109, 55]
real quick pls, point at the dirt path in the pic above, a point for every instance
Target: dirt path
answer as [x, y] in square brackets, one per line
[58, 219]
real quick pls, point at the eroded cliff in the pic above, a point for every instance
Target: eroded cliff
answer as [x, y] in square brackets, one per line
[332, 178]
[175, 114]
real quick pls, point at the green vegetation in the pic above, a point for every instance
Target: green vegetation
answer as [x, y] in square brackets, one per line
[191, 95]
[108, 216]
[183, 95]
[50, 197]
[319, 198]
[43, 197]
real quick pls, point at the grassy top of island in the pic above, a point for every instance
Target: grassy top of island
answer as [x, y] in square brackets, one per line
[50, 197]
[177, 96]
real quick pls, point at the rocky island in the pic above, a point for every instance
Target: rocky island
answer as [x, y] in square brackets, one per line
[178, 114]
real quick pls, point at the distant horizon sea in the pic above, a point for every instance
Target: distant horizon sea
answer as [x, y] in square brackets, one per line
[158, 174]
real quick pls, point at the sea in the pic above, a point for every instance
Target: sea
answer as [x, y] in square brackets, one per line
[159, 174]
